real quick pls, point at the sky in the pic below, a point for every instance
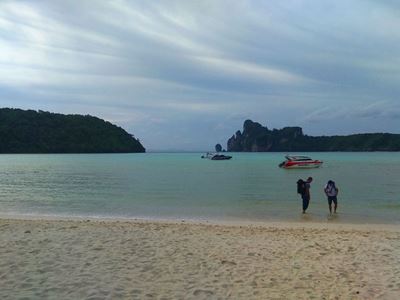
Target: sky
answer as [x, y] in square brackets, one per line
[185, 75]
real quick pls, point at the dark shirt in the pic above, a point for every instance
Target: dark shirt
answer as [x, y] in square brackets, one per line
[308, 187]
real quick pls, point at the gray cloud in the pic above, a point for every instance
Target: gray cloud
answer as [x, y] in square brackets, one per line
[191, 68]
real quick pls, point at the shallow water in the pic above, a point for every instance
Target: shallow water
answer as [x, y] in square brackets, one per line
[184, 186]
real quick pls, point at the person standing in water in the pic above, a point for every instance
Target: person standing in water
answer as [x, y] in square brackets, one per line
[331, 191]
[304, 190]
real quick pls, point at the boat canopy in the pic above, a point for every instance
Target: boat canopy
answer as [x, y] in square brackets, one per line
[297, 158]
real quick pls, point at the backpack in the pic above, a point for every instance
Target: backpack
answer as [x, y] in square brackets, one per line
[301, 187]
[331, 189]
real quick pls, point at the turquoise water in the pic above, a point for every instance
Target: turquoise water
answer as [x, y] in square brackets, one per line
[184, 186]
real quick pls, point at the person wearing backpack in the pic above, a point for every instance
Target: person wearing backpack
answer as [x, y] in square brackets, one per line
[331, 191]
[303, 188]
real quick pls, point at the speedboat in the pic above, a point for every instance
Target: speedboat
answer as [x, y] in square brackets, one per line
[221, 157]
[216, 156]
[299, 162]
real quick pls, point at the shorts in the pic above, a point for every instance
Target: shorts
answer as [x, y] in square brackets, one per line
[332, 198]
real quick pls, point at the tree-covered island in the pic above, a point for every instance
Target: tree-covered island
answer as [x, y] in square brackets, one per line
[29, 131]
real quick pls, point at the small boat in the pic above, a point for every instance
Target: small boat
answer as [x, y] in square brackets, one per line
[299, 162]
[216, 156]
[208, 155]
[220, 157]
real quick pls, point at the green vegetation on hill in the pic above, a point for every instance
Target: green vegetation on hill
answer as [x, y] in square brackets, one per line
[29, 131]
[256, 138]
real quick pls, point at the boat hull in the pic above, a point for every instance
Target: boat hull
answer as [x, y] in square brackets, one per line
[221, 157]
[301, 165]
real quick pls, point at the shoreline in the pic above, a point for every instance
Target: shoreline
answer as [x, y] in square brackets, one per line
[311, 224]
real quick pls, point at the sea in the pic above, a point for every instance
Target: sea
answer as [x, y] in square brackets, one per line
[183, 186]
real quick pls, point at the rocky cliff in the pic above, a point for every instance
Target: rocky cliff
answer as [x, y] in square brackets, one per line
[256, 138]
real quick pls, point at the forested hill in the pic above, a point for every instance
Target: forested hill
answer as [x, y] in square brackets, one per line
[256, 138]
[29, 131]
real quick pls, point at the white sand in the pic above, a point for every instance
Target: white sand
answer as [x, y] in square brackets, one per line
[49, 259]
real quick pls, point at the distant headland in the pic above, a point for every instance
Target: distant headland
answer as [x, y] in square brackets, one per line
[256, 138]
[29, 131]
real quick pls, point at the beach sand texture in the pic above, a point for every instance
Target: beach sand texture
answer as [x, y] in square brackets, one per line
[44, 259]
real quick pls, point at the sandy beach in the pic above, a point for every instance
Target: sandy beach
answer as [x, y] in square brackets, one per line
[72, 259]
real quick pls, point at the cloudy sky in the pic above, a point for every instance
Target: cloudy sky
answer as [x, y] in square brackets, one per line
[184, 75]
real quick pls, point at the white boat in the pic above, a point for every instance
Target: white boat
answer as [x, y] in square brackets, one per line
[299, 162]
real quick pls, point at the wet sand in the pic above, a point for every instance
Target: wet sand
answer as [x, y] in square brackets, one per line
[60, 259]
